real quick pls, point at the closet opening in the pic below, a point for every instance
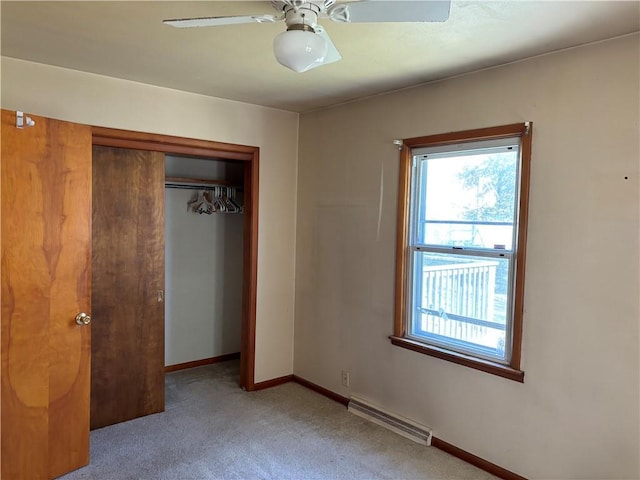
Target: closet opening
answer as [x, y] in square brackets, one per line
[209, 298]
[204, 209]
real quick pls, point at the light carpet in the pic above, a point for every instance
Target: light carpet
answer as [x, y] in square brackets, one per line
[211, 429]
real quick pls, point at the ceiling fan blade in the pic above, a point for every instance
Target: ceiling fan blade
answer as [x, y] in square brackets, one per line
[216, 21]
[333, 55]
[372, 11]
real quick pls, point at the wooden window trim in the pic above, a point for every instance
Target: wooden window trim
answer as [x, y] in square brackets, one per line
[399, 338]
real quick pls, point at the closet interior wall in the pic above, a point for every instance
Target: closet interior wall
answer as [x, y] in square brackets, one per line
[203, 255]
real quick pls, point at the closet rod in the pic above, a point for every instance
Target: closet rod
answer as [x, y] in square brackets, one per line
[188, 187]
[196, 183]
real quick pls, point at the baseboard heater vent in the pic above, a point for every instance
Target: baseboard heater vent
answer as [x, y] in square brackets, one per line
[402, 426]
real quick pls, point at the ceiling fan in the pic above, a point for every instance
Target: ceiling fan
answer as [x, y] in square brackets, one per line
[305, 44]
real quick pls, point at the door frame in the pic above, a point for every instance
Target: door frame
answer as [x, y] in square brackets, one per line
[206, 149]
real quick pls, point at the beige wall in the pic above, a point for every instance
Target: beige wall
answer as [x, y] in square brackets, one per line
[576, 416]
[97, 100]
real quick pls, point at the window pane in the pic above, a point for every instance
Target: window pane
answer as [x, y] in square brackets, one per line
[460, 302]
[468, 235]
[467, 199]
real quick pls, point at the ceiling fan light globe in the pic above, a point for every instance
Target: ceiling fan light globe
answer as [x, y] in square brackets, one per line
[299, 50]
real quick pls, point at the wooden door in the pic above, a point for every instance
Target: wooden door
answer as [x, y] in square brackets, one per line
[46, 231]
[127, 374]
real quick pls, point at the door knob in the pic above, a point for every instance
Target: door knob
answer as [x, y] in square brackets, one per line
[83, 319]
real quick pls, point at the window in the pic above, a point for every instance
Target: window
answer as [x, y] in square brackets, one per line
[461, 247]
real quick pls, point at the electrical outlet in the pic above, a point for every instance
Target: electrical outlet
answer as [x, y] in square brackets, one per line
[345, 378]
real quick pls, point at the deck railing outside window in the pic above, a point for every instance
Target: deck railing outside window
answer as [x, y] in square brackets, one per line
[458, 302]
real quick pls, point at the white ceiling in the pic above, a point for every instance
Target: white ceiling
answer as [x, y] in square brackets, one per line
[127, 40]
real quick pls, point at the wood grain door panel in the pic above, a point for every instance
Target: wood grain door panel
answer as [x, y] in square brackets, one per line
[46, 228]
[127, 376]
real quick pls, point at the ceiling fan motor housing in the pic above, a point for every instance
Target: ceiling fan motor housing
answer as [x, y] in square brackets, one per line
[302, 15]
[280, 5]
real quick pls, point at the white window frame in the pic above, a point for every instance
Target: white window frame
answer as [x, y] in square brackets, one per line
[415, 233]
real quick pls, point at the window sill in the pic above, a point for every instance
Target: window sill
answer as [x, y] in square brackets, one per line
[460, 359]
